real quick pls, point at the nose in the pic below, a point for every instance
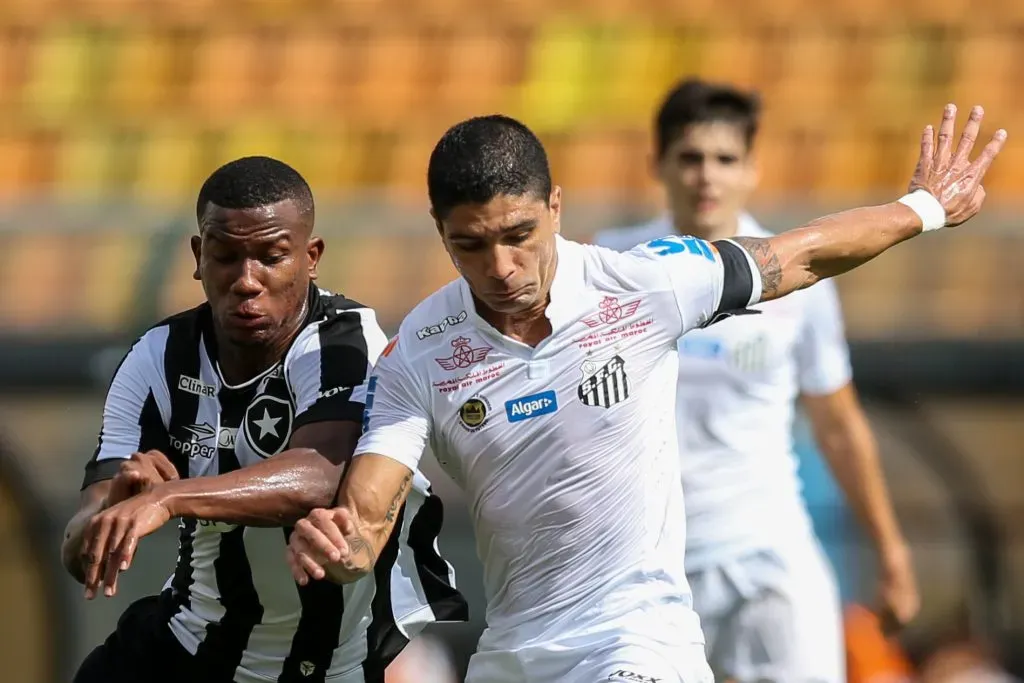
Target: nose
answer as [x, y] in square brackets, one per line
[247, 284]
[501, 265]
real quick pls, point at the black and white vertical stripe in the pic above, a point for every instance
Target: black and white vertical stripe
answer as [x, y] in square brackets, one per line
[231, 601]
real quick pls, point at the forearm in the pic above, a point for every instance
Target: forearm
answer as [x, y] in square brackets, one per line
[374, 508]
[852, 454]
[828, 246]
[276, 492]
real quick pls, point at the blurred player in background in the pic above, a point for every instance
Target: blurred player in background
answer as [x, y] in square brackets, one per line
[238, 417]
[766, 595]
[544, 380]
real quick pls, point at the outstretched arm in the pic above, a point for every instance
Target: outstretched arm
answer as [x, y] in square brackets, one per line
[946, 190]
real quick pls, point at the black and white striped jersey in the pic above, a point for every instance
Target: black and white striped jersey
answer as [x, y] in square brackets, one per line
[231, 600]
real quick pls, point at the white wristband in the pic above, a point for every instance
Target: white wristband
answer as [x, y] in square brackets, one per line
[927, 207]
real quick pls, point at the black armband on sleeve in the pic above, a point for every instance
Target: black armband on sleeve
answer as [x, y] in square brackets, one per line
[737, 279]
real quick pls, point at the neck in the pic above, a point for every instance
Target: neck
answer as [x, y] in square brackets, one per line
[530, 327]
[240, 363]
[723, 230]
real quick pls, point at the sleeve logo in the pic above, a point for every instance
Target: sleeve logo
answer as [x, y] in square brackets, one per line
[678, 244]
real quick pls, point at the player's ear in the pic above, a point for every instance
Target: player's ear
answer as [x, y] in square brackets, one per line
[197, 250]
[314, 251]
[555, 205]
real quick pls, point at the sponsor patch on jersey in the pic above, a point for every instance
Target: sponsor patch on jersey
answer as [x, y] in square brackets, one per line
[604, 384]
[194, 386]
[534, 405]
[474, 412]
[464, 355]
[610, 311]
[439, 327]
[189, 441]
[331, 393]
[267, 425]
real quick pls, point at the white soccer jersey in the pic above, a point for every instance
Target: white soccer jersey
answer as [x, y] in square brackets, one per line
[738, 381]
[566, 451]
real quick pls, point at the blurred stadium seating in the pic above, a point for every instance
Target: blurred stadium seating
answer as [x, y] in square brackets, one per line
[112, 112]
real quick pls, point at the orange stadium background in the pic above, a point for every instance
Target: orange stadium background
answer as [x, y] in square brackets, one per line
[115, 111]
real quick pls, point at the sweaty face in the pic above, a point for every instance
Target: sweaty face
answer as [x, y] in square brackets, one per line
[505, 249]
[708, 174]
[255, 266]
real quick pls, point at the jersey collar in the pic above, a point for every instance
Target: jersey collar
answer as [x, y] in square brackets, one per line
[566, 301]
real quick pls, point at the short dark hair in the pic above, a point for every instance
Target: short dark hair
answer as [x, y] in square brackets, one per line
[695, 101]
[254, 181]
[483, 157]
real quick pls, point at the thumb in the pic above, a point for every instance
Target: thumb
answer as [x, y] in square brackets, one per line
[346, 524]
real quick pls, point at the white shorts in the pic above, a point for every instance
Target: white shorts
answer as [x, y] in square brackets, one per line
[590, 659]
[774, 615]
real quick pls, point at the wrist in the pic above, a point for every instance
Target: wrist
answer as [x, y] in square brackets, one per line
[894, 555]
[169, 495]
[928, 209]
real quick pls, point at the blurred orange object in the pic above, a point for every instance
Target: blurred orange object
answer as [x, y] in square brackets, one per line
[871, 657]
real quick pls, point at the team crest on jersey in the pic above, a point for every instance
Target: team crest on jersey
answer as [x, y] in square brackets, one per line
[605, 383]
[474, 412]
[267, 425]
[464, 355]
[610, 311]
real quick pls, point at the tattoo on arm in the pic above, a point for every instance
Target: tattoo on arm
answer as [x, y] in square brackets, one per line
[396, 502]
[359, 547]
[767, 262]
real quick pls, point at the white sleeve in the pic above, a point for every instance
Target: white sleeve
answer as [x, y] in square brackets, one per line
[823, 357]
[707, 279]
[397, 421]
[132, 419]
[329, 368]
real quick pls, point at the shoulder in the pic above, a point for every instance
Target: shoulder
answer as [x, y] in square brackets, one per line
[625, 238]
[425, 328]
[183, 330]
[337, 321]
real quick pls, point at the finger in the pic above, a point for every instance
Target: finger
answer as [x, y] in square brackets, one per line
[122, 528]
[927, 149]
[946, 129]
[980, 166]
[294, 567]
[317, 541]
[164, 466]
[93, 551]
[969, 136]
[311, 567]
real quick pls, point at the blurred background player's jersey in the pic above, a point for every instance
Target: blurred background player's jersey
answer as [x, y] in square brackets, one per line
[738, 381]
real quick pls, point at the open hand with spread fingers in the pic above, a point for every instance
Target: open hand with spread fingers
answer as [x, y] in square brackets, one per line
[949, 175]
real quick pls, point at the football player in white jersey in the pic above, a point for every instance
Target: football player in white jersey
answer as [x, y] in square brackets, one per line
[544, 380]
[766, 596]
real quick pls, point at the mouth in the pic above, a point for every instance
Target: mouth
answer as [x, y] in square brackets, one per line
[509, 296]
[707, 204]
[249, 318]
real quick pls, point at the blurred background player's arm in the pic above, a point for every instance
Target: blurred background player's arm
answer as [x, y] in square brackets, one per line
[845, 438]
